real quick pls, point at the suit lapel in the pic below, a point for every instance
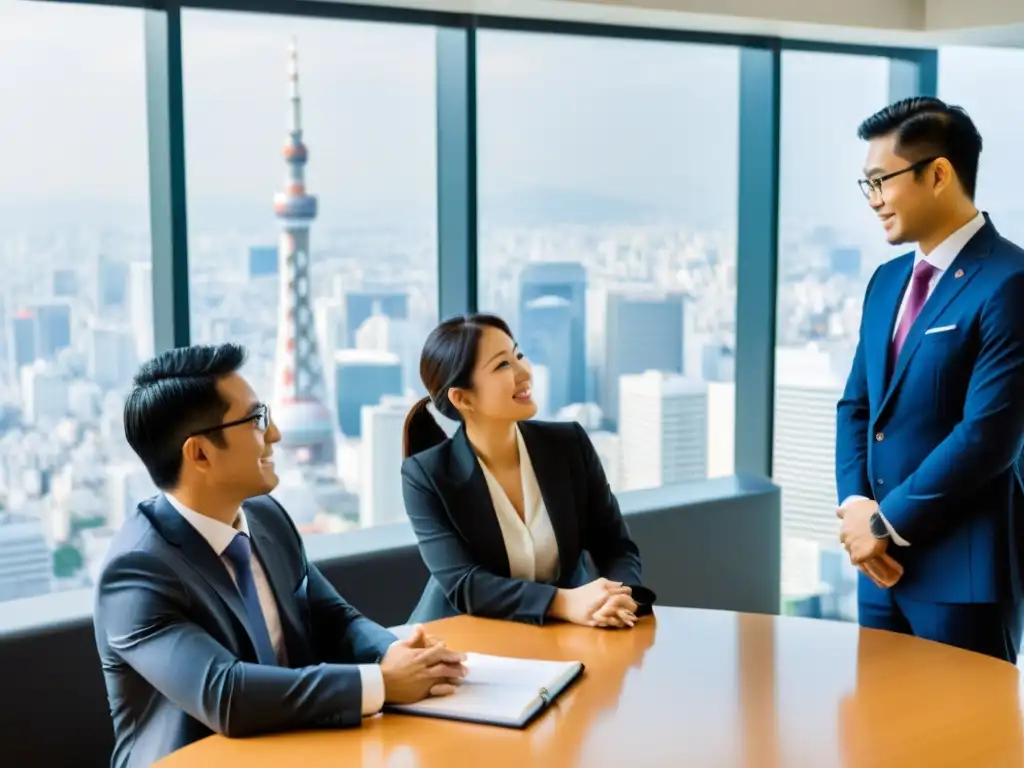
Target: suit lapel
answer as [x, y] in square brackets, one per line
[277, 574]
[474, 515]
[964, 267]
[880, 329]
[200, 555]
[554, 479]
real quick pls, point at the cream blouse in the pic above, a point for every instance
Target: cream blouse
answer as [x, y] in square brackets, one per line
[529, 543]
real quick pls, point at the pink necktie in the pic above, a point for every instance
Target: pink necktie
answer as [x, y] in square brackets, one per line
[916, 297]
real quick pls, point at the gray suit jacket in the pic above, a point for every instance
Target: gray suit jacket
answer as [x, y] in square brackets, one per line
[176, 649]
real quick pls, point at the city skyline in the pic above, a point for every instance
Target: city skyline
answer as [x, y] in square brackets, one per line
[618, 158]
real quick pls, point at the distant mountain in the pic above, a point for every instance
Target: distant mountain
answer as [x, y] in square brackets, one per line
[535, 207]
[544, 206]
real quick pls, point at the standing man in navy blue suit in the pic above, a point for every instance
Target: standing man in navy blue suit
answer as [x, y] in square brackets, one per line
[931, 425]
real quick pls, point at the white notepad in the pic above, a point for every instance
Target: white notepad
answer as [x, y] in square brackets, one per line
[500, 691]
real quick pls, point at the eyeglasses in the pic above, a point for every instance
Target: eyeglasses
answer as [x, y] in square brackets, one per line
[871, 186]
[261, 416]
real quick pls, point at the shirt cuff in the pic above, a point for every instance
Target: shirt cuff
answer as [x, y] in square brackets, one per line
[898, 540]
[852, 498]
[373, 688]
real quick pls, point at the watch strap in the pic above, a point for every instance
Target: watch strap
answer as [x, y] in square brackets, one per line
[878, 527]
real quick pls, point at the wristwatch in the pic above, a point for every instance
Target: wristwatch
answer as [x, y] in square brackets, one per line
[878, 528]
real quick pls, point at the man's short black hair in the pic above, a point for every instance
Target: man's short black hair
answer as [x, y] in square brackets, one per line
[174, 395]
[928, 127]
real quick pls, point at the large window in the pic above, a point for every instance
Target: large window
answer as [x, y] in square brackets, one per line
[608, 201]
[76, 289]
[973, 78]
[310, 150]
[829, 245]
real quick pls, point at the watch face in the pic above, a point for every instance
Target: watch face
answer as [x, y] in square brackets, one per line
[878, 529]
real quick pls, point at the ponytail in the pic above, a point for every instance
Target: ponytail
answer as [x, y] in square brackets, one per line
[421, 430]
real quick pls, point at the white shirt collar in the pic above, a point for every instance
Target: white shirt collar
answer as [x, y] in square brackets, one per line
[215, 532]
[945, 252]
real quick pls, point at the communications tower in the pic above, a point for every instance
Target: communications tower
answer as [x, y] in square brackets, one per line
[299, 405]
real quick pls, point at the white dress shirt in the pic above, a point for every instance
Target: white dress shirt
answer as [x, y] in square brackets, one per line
[219, 536]
[941, 258]
[529, 542]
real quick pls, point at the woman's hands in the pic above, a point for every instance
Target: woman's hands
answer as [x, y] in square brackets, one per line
[601, 603]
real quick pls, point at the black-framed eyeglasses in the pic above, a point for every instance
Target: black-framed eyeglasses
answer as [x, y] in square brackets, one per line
[261, 416]
[872, 186]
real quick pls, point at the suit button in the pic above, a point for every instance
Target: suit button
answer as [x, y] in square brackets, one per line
[881, 481]
[880, 436]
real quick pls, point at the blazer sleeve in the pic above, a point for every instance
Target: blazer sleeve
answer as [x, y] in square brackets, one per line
[340, 632]
[987, 441]
[606, 536]
[142, 607]
[469, 587]
[853, 416]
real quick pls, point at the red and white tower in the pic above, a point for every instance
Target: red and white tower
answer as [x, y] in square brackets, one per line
[299, 407]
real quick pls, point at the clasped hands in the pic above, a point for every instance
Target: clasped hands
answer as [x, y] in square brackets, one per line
[420, 666]
[867, 552]
[601, 603]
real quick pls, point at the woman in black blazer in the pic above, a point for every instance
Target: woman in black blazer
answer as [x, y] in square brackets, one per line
[505, 508]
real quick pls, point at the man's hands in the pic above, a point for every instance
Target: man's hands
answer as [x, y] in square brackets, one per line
[418, 667]
[601, 603]
[855, 534]
[866, 551]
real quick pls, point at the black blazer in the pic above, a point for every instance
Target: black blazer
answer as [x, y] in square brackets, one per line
[450, 508]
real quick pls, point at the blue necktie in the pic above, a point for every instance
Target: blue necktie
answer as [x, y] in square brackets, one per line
[239, 553]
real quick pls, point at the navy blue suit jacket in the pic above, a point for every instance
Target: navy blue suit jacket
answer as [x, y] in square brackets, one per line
[450, 508]
[937, 441]
[176, 648]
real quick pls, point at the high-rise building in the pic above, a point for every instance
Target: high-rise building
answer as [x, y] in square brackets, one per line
[552, 326]
[362, 377]
[128, 483]
[803, 463]
[25, 561]
[111, 287]
[65, 283]
[300, 405]
[803, 458]
[664, 430]
[140, 304]
[53, 327]
[643, 332]
[264, 261]
[21, 345]
[374, 333]
[359, 305]
[380, 462]
[111, 358]
[44, 393]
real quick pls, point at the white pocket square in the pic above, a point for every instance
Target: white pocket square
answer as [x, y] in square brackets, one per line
[940, 329]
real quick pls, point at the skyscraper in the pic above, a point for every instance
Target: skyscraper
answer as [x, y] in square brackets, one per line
[664, 430]
[552, 326]
[380, 462]
[643, 332]
[300, 410]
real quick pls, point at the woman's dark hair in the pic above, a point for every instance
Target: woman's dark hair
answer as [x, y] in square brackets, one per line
[448, 360]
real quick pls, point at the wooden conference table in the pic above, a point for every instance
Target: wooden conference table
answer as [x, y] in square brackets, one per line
[708, 689]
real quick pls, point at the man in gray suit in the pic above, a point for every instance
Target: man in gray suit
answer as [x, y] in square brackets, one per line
[208, 617]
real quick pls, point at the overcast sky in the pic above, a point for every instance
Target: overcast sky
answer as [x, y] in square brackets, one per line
[648, 123]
